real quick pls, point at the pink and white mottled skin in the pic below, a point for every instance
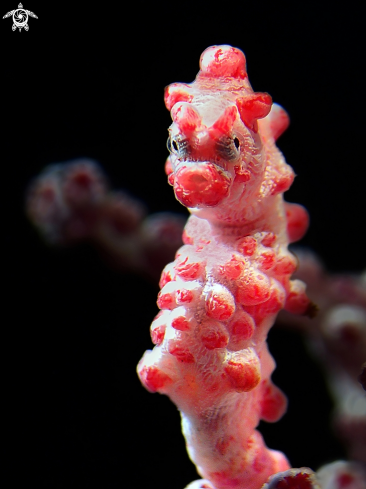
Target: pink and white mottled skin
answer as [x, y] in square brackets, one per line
[221, 295]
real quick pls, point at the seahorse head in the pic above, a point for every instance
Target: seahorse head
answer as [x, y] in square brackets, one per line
[215, 148]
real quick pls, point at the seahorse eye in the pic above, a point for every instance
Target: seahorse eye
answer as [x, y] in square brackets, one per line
[178, 147]
[228, 148]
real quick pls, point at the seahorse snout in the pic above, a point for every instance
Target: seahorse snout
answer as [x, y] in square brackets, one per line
[201, 184]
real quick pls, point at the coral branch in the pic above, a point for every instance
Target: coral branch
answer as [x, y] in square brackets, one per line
[223, 292]
[70, 202]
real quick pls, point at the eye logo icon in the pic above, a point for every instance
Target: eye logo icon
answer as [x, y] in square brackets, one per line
[20, 17]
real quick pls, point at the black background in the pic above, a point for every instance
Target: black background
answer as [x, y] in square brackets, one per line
[87, 80]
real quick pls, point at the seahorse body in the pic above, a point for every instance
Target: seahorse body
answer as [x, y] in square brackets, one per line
[222, 293]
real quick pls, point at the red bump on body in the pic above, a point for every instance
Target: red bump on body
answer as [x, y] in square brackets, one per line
[247, 245]
[184, 296]
[273, 403]
[297, 221]
[253, 290]
[226, 61]
[220, 303]
[176, 92]
[233, 268]
[253, 106]
[213, 335]
[189, 271]
[243, 370]
[267, 260]
[241, 327]
[180, 323]
[297, 301]
[179, 352]
[153, 379]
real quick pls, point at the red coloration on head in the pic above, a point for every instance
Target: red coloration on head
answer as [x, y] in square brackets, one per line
[247, 245]
[201, 185]
[186, 117]
[153, 378]
[297, 221]
[223, 61]
[254, 106]
[176, 92]
[213, 335]
[224, 123]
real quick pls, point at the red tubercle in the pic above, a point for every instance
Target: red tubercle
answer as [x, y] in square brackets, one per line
[268, 239]
[224, 123]
[241, 327]
[179, 352]
[166, 301]
[186, 117]
[241, 175]
[153, 378]
[297, 221]
[180, 323]
[267, 260]
[223, 61]
[184, 296]
[233, 268]
[157, 333]
[213, 335]
[243, 372]
[176, 92]
[297, 301]
[247, 245]
[253, 290]
[252, 107]
[273, 403]
[189, 270]
[167, 275]
[220, 303]
[286, 265]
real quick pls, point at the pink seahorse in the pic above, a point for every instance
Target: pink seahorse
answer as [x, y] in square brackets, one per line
[222, 293]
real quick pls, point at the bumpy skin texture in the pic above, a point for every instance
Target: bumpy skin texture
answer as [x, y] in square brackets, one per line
[221, 295]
